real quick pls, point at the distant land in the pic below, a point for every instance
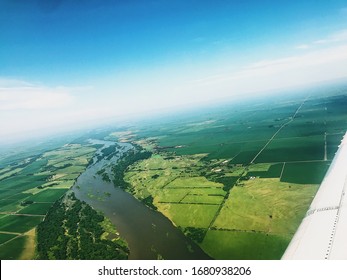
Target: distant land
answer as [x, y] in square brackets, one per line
[225, 181]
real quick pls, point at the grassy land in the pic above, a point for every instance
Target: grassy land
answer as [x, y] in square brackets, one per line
[189, 215]
[266, 205]
[244, 245]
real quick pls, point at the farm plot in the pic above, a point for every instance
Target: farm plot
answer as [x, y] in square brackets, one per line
[265, 205]
[305, 172]
[13, 249]
[4, 237]
[238, 245]
[49, 195]
[189, 215]
[20, 224]
[270, 170]
[293, 149]
[36, 209]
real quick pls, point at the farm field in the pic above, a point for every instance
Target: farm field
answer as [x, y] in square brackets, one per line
[28, 188]
[239, 181]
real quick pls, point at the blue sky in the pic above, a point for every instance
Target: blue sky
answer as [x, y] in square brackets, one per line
[82, 59]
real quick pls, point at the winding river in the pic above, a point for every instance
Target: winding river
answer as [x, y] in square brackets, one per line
[149, 234]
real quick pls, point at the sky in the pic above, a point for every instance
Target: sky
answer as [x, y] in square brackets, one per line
[71, 63]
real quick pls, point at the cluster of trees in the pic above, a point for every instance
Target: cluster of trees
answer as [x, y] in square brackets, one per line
[128, 159]
[227, 181]
[72, 230]
[104, 175]
[196, 234]
[108, 152]
[149, 202]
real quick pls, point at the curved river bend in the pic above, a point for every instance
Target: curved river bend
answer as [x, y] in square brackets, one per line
[150, 235]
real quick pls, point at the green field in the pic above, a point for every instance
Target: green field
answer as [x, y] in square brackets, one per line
[305, 172]
[244, 245]
[42, 177]
[50, 195]
[266, 205]
[4, 237]
[270, 171]
[190, 215]
[20, 224]
[36, 209]
[296, 149]
[13, 249]
[194, 182]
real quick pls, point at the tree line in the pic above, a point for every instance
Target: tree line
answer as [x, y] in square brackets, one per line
[72, 230]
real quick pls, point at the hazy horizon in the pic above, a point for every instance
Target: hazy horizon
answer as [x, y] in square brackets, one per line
[74, 64]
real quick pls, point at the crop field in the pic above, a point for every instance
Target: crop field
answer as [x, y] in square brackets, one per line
[305, 172]
[36, 209]
[19, 224]
[13, 249]
[50, 195]
[4, 237]
[244, 177]
[29, 186]
[266, 170]
[244, 245]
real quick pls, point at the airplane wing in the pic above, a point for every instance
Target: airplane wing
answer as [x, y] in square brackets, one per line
[323, 232]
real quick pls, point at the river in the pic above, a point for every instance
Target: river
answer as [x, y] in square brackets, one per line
[149, 234]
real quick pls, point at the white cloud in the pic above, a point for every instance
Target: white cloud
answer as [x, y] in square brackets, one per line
[340, 36]
[336, 37]
[9, 82]
[25, 106]
[33, 98]
[310, 67]
[22, 95]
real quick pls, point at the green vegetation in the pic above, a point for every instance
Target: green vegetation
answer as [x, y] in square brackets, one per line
[277, 207]
[74, 230]
[28, 187]
[129, 158]
[190, 215]
[244, 245]
[48, 195]
[240, 177]
[196, 234]
[273, 171]
[13, 249]
[237, 180]
[305, 172]
[4, 237]
[36, 209]
[296, 149]
[20, 224]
